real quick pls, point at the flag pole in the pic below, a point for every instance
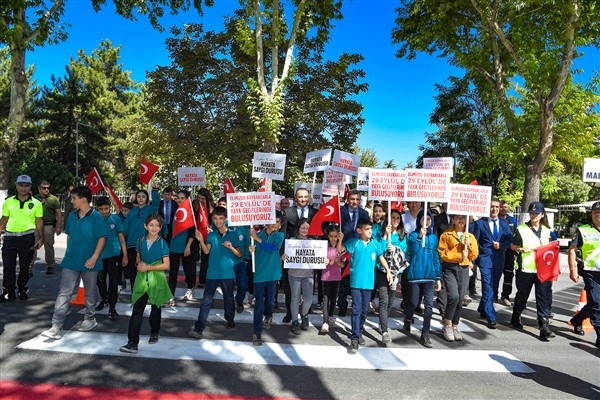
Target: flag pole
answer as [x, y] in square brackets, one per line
[389, 218]
[424, 219]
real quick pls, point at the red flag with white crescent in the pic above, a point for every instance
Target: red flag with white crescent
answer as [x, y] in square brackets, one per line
[346, 192]
[147, 170]
[228, 187]
[263, 185]
[397, 205]
[115, 198]
[328, 212]
[547, 261]
[184, 217]
[94, 181]
[202, 223]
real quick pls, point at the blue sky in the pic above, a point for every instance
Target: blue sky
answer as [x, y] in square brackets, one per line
[396, 107]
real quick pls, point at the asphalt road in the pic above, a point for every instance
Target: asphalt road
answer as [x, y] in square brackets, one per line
[566, 367]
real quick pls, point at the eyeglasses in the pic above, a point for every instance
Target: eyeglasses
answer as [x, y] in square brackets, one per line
[45, 188]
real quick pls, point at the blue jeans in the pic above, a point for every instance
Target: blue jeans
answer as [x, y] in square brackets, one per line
[360, 309]
[207, 300]
[241, 279]
[418, 290]
[264, 300]
[69, 281]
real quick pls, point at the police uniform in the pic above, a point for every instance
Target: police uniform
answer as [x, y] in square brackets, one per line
[21, 219]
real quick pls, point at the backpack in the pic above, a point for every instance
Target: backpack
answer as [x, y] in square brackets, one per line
[396, 260]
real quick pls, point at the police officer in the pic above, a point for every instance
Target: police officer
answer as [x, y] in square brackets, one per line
[527, 237]
[587, 240]
[22, 216]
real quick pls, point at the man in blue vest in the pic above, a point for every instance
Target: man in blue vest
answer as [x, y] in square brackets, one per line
[587, 240]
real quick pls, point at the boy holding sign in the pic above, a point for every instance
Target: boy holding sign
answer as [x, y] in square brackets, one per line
[363, 254]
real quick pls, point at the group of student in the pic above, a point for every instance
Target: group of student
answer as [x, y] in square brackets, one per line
[358, 265]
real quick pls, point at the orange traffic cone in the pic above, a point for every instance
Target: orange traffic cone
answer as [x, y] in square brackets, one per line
[582, 302]
[80, 299]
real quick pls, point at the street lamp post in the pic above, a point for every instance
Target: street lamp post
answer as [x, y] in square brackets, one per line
[77, 147]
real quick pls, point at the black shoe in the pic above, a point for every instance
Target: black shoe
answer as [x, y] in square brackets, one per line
[492, 324]
[425, 341]
[101, 305]
[194, 333]
[23, 293]
[296, 327]
[353, 349]
[268, 322]
[129, 348]
[256, 339]
[578, 330]
[7, 296]
[419, 310]
[230, 324]
[406, 327]
[287, 319]
[239, 307]
[515, 321]
[153, 339]
[112, 314]
[304, 322]
[49, 270]
[362, 341]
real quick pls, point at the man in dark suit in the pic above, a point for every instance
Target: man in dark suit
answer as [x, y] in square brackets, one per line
[493, 237]
[167, 209]
[301, 209]
[350, 214]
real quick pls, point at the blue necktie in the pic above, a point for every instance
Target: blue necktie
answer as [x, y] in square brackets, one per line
[495, 231]
[168, 212]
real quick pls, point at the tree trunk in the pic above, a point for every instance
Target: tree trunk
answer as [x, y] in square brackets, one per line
[534, 169]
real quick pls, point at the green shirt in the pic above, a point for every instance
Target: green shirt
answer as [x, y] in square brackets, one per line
[21, 215]
[50, 204]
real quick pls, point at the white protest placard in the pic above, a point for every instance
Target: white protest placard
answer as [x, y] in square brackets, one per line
[191, 176]
[473, 200]
[443, 163]
[305, 254]
[386, 184]
[427, 185]
[362, 179]
[268, 165]
[346, 163]
[591, 169]
[251, 208]
[332, 182]
[314, 191]
[317, 160]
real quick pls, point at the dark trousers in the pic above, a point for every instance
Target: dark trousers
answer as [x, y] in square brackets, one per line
[473, 280]
[264, 301]
[343, 292]
[456, 280]
[203, 268]
[591, 310]
[189, 269]
[360, 309]
[111, 270]
[207, 300]
[241, 281]
[131, 269]
[13, 247]
[509, 274]
[330, 292]
[386, 298]
[137, 314]
[426, 290]
[543, 294]
[287, 291]
[319, 283]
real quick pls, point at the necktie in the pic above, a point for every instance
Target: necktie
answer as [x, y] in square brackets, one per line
[303, 212]
[353, 218]
[168, 212]
[495, 231]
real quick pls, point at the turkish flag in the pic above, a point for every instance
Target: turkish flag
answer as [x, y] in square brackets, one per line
[346, 192]
[228, 187]
[263, 185]
[202, 222]
[94, 181]
[114, 197]
[547, 262]
[147, 170]
[397, 205]
[184, 217]
[474, 182]
[328, 212]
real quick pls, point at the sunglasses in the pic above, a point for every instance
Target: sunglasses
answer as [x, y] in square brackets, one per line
[45, 188]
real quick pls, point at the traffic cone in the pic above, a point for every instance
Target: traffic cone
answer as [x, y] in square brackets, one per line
[582, 302]
[80, 299]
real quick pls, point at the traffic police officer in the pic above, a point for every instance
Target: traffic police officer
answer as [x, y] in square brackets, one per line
[22, 215]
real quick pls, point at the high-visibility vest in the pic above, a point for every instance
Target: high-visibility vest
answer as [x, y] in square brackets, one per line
[531, 241]
[590, 250]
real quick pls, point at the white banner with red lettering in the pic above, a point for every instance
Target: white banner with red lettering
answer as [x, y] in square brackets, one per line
[471, 200]
[332, 182]
[251, 208]
[268, 165]
[427, 185]
[317, 160]
[191, 176]
[305, 254]
[386, 184]
[346, 163]
[443, 163]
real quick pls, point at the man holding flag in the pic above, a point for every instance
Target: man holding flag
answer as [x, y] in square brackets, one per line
[532, 268]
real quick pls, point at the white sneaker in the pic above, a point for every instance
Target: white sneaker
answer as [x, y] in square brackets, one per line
[325, 328]
[53, 333]
[88, 325]
[189, 295]
[385, 338]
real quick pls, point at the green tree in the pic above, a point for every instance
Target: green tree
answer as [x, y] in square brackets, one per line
[528, 46]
